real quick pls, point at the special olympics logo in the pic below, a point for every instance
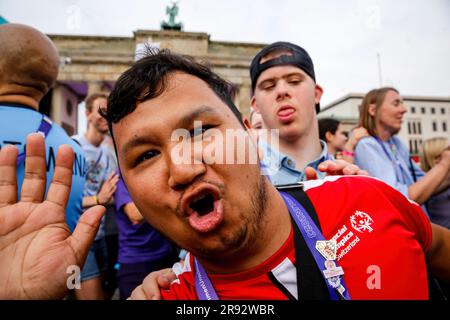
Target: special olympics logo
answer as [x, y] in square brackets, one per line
[361, 222]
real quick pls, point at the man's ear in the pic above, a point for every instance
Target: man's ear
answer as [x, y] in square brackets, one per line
[253, 103]
[328, 136]
[372, 110]
[318, 93]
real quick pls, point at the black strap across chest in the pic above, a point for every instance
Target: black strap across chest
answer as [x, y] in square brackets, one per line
[310, 283]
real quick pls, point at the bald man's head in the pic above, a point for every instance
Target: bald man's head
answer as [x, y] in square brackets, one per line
[28, 62]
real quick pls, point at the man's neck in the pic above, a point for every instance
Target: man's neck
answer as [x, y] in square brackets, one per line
[22, 100]
[303, 150]
[94, 136]
[330, 149]
[272, 233]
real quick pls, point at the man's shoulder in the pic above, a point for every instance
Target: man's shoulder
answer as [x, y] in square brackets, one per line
[341, 182]
[13, 109]
[337, 197]
[342, 191]
[347, 191]
[16, 122]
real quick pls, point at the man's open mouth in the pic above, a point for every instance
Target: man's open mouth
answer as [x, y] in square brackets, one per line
[203, 205]
[204, 208]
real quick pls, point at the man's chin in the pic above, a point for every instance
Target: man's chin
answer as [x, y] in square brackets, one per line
[290, 132]
[222, 243]
[210, 252]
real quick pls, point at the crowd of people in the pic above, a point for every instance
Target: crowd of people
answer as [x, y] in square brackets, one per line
[323, 214]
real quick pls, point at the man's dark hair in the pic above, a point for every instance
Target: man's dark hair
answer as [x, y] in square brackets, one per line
[327, 125]
[147, 79]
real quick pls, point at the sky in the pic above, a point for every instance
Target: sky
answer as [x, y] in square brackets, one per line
[344, 38]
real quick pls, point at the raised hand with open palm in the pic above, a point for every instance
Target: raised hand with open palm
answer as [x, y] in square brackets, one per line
[36, 246]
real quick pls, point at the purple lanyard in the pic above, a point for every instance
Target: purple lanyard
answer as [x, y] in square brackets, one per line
[44, 128]
[384, 148]
[335, 285]
[395, 162]
[203, 286]
[311, 234]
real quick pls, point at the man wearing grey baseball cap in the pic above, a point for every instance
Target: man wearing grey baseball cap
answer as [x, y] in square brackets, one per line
[286, 94]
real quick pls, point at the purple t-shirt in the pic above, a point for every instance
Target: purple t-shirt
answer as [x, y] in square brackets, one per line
[139, 242]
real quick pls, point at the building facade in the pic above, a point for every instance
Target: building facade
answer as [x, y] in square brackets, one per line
[426, 117]
[92, 63]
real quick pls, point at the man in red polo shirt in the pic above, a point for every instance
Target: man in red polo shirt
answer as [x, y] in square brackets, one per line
[380, 246]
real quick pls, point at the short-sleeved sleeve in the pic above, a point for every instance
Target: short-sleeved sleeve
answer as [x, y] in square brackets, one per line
[412, 213]
[121, 196]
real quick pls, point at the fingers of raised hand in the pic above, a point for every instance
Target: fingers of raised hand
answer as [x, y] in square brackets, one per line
[8, 180]
[34, 182]
[85, 232]
[59, 189]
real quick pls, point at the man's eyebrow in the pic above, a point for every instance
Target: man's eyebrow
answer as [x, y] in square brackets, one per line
[272, 79]
[189, 118]
[296, 73]
[134, 142]
[184, 122]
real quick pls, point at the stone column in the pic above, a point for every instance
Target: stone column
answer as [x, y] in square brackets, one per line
[94, 87]
[244, 98]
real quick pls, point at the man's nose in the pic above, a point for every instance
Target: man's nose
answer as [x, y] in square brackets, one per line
[183, 171]
[282, 90]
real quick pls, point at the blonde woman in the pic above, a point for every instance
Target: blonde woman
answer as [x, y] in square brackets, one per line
[439, 205]
[386, 157]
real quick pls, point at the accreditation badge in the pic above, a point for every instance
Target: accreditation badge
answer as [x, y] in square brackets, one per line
[327, 249]
[332, 270]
